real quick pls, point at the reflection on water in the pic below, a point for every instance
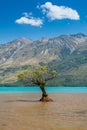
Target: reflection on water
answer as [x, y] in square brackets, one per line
[25, 112]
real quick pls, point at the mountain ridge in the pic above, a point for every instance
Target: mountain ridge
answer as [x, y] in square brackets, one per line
[20, 53]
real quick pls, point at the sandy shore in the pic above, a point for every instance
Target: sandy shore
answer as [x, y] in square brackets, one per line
[22, 111]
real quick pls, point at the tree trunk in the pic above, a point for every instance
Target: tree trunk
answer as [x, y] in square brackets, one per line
[44, 94]
[45, 97]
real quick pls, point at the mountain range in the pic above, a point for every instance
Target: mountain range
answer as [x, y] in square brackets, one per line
[66, 53]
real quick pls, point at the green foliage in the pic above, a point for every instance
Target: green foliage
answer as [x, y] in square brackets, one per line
[38, 76]
[54, 73]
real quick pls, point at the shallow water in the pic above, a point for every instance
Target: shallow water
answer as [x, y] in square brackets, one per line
[23, 111]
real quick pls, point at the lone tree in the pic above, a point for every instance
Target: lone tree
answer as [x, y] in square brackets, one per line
[38, 76]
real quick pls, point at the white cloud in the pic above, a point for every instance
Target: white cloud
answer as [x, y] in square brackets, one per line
[27, 14]
[28, 19]
[54, 12]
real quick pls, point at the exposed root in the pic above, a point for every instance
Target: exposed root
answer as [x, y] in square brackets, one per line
[46, 99]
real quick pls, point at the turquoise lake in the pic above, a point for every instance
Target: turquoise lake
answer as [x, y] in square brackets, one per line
[48, 89]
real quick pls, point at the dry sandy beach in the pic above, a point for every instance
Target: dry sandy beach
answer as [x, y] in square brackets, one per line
[22, 111]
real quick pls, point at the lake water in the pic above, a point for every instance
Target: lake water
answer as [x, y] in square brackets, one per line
[21, 109]
[48, 89]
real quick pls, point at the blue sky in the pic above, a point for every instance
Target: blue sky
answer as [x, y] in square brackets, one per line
[41, 18]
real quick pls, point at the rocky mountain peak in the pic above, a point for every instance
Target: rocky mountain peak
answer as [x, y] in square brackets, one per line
[23, 39]
[23, 52]
[43, 39]
[79, 35]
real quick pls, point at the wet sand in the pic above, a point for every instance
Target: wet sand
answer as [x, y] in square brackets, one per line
[23, 111]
